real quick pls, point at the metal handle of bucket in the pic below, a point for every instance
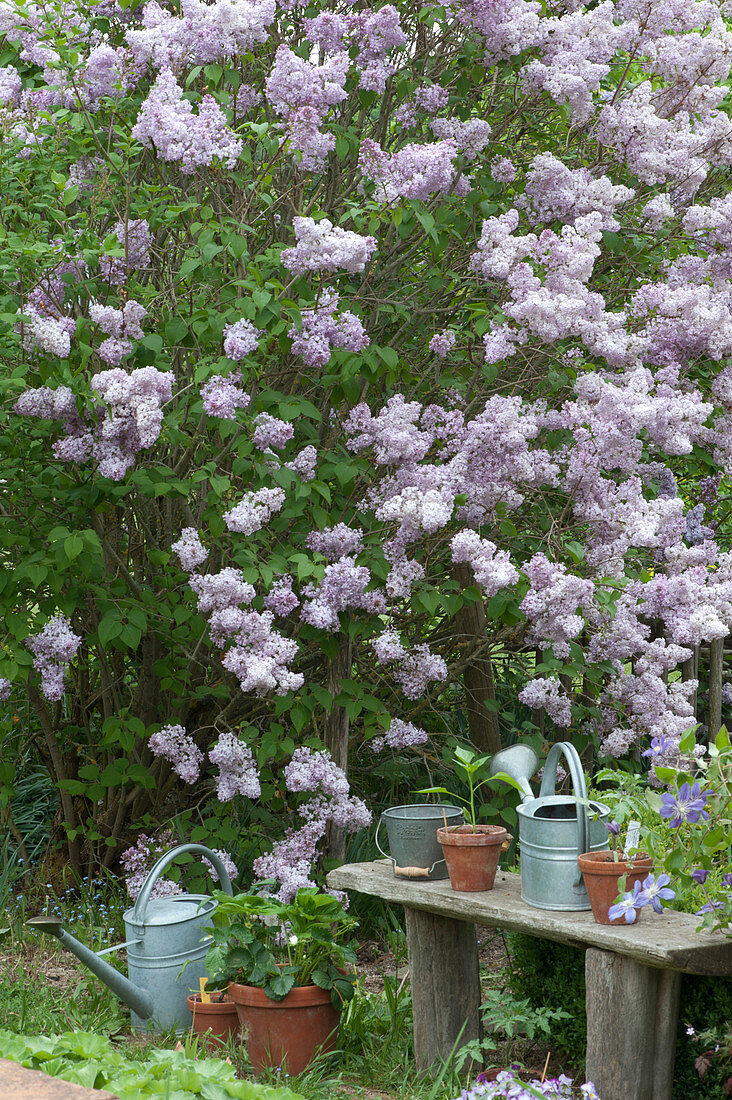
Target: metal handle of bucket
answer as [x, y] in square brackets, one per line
[167, 858]
[549, 786]
[405, 872]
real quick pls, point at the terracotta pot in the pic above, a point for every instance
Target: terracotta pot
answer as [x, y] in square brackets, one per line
[216, 1022]
[287, 1033]
[472, 857]
[601, 874]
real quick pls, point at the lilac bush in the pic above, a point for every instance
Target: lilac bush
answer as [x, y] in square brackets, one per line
[329, 333]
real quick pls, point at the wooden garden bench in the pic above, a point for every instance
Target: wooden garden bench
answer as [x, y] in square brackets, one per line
[19, 1083]
[633, 972]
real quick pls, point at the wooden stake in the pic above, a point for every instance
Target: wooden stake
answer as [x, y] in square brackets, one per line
[546, 1066]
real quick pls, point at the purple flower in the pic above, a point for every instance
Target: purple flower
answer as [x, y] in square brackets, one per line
[688, 805]
[709, 907]
[655, 890]
[659, 746]
[632, 901]
[700, 875]
[727, 879]
[613, 828]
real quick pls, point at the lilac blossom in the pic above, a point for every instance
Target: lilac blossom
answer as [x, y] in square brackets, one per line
[442, 343]
[180, 750]
[237, 768]
[135, 238]
[686, 806]
[336, 542]
[220, 591]
[400, 735]
[166, 122]
[342, 587]
[190, 550]
[546, 693]
[222, 395]
[229, 866]
[53, 649]
[321, 246]
[413, 172]
[254, 510]
[305, 463]
[492, 567]
[47, 334]
[137, 861]
[302, 94]
[240, 339]
[323, 329]
[280, 599]
[5, 687]
[201, 34]
[271, 432]
[315, 771]
[412, 669]
[503, 170]
[260, 657]
[552, 602]
[121, 325]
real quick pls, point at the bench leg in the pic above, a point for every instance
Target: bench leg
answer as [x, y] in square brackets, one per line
[632, 1016]
[443, 971]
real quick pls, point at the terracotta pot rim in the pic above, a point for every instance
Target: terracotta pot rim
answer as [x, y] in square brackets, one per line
[464, 837]
[602, 863]
[220, 1006]
[300, 996]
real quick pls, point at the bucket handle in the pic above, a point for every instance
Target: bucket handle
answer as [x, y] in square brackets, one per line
[404, 872]
[549, 786]
[167, 858]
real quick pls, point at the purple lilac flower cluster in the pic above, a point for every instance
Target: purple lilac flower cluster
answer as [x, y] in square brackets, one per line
[40, 332]
[280, 599]
[237, 768]
[336, 542]
[202, 33]
[137, 862]
[166, 122]
[322, 246]
[229, 866]
[412, 172]
[343, 585]
[442, 343]
[258, 655]
[302, 93]
[254, 510]
[222, 395]
[270, 431]
[122, 326]
[53, 649]
[135, 238]
[492, 567]
[322, 329]
[5, 687]
[552, 601]
[240, 339]
[400, 735]
[180, 750]
[547, 694]
[290, 862]
[412, 669]
[304, 464]
[190, 549]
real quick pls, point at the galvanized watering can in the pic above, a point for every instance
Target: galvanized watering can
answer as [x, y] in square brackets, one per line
[554, 829]
[162, 935]
[412, 834]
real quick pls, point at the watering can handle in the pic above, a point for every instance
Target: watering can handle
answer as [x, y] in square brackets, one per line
[549, 786]
[167, 858]
[405, 872]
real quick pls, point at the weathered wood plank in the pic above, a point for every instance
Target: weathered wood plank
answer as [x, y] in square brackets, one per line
[445, 980]
[714, 715]
[667, 940]
[19, 1083]
[632, 1015]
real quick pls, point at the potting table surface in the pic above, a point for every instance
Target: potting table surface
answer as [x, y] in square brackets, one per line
[632, 971]
[19, 1083]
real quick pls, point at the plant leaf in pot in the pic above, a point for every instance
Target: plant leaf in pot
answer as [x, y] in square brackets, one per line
[290, 971]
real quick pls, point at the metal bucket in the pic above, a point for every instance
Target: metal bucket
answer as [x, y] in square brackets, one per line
[554, 830]
[412, 835]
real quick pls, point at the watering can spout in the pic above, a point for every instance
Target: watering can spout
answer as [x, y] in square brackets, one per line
[519, 762]
[139, 1000]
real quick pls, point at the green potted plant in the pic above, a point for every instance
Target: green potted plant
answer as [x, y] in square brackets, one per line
[608, 873]
[289, 969]
[471, 850]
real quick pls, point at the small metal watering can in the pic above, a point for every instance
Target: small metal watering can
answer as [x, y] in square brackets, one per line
[162, 936]
[554, 829]
[412, 832]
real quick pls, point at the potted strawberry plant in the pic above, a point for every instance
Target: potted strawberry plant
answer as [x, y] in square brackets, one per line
[289, 969]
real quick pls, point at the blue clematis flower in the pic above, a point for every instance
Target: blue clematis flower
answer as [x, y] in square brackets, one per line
[629, 905]
[655, 890]
[688, 805]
